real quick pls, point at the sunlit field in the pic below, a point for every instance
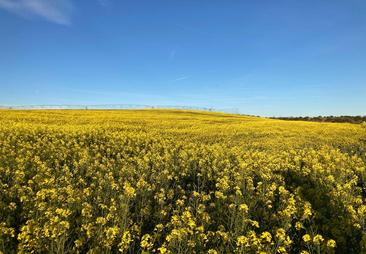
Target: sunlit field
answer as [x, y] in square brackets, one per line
[174, 181]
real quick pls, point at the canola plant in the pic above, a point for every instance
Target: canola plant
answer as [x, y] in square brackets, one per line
[173, 181]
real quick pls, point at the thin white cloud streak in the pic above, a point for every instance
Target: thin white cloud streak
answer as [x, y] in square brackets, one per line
[57, 11]
[181, 78]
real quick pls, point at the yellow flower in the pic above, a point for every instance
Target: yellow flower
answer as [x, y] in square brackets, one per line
[331, 243]
[146, 242]
[219, 195]
[78, 243]
[281, 250]
[129, 190]
[163, 250]
[125, 241]
[318, 239]
[281, 234]
[159, 227]
[241, 240]
[101, 220]
[244, 208]
[306, 238]
[298, 226]
[307, 211]
[112, 232]
[266, 236]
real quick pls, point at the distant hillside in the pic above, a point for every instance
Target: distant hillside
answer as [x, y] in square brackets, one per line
[332, 119]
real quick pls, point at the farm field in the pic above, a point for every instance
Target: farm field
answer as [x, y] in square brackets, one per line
[175, 181]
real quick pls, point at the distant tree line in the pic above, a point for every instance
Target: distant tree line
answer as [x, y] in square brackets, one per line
[332, 119]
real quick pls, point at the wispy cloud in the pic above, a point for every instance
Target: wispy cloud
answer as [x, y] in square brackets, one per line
[181, 78]
[57, 11]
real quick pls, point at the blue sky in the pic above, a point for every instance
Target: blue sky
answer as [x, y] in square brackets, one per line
[265, 58]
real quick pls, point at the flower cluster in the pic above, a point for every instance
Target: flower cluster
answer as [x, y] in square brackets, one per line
[165, 181]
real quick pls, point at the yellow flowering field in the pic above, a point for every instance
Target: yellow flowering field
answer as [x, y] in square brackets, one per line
[175, 181]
